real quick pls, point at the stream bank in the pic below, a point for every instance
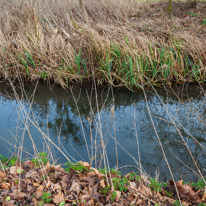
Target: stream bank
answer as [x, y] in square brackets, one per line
[36, 182]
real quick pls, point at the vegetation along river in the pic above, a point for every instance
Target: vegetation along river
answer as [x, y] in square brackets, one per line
[70, 127]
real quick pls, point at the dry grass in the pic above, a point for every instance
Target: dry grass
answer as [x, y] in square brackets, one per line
[116, 42]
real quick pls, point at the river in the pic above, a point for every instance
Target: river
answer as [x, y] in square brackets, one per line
[57, 115]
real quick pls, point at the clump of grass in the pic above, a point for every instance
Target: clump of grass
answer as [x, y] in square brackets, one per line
[60, 42]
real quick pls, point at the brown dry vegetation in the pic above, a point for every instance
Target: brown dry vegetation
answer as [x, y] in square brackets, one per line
[122, 43]
[49, 185]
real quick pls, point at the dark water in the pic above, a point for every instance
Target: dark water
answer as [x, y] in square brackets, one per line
[57, 116]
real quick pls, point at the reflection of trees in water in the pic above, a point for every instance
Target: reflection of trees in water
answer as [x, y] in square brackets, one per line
[46, 100]
[58, 105]
[183, 119]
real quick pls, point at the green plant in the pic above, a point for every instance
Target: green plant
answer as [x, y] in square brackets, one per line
[113, 196]
[24, 63]
[105, 191]
[46, 197]
[41, 159]
[192, 14]
[112, 170]
[168, 194]
[43, 75]
[120, 184]
[115, 172]
[102, 170]
[156, 186]
[176, 203]
[27, 61]
[8, 162]
[200, 184]
[185, 183]
[75, 202]
[12, 161]
[134, 176]
[203, 22]
[75, 166]
[80, 62]
[3, 159]
[8, 198]
[62, 203]
[19, 171]
[43, 177]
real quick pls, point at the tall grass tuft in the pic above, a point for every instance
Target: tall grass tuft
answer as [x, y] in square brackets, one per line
[110, 41]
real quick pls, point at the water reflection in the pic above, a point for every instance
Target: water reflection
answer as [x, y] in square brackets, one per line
[57, 114]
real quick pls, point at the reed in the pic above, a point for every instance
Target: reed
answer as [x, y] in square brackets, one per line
[116, 43]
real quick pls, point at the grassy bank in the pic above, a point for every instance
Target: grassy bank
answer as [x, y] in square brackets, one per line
[37, 182]
[118, 43]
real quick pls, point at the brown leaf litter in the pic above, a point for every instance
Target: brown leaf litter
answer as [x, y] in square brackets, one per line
[51, 185]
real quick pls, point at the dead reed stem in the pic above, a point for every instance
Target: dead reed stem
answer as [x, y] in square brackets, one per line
[116, 42]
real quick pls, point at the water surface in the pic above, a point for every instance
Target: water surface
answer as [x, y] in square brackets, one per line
[123, 115]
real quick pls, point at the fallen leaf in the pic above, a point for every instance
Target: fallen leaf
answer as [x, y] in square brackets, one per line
[133, 185]
[49, 205]
[30, 188]
[48, 184]
[85, 197]
[2, 175]
[57, 187]
[10, 203]
[18, 195]
[75, 187]
[5, 185]
[102, 183]
[65, 180]
[13, 170]
[130, 197]
[31, 173]
[204, 197]
[35, 184]
[118, 193]
[186, 191]
[29, 164]
[93, 180]
[39, 192]
[144, 190]
[58, 198]
[99, 174]
[57, 174]
[139, 202]
[85, 164]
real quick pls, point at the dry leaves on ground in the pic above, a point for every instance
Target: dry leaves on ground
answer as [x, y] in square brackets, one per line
[52, 185]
